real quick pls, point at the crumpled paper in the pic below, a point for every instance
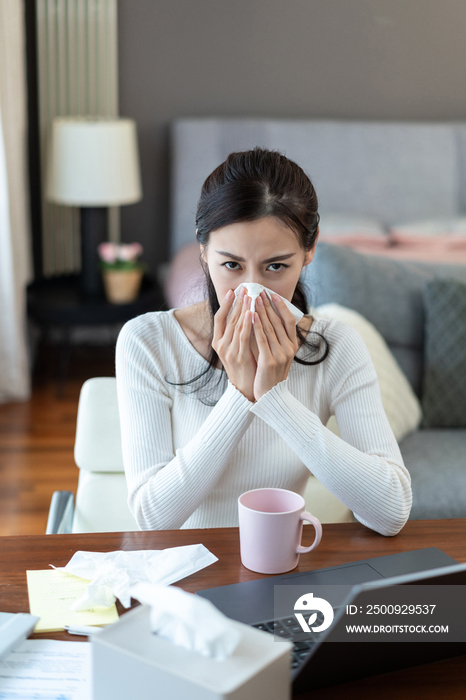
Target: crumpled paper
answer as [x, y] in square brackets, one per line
[255, 289]
[112, 574]
[188, 620]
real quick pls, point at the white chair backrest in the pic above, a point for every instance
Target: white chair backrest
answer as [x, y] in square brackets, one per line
[98, 437]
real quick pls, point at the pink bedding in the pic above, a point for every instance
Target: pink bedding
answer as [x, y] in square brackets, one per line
[448, 249]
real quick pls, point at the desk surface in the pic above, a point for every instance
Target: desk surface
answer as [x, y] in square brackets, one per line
[342, 542]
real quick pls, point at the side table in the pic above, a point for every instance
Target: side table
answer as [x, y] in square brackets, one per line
[57, 303]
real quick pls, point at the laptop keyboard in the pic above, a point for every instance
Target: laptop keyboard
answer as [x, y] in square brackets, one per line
[289, 628]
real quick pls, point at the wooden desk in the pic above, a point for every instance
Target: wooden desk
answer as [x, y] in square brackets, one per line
[343, 542]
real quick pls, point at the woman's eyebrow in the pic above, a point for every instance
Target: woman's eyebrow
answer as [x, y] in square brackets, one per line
[285, 256]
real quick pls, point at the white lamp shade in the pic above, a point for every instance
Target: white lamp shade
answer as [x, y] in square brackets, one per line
[93, 162]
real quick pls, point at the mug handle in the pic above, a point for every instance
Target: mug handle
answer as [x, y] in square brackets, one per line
[312, 519]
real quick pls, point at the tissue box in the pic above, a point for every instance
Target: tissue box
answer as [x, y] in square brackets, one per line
[129, 661]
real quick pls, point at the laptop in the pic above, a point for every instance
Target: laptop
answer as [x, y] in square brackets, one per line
[322, 659]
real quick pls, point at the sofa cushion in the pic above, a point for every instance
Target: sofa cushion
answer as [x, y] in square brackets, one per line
[435, 461]
[324, 504]
[444, 388]
[388, 293]
[399, 400]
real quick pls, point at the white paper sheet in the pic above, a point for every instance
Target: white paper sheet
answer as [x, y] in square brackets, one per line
[255, 289]
[46, 669]
[111, 574]
[188, 620]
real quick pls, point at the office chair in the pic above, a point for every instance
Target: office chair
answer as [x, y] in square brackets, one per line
[101, 497]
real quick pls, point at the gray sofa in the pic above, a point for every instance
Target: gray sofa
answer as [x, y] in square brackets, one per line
[390, 294]
[393, 172]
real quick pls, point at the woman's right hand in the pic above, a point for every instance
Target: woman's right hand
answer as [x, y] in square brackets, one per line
[232, 342]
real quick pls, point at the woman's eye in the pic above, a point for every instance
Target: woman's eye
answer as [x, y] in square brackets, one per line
[277, 266]
[273, 267]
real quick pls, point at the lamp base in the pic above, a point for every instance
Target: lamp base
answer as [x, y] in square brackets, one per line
[94, 224]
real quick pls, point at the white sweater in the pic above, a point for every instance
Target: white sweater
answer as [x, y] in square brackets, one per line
[186, 463]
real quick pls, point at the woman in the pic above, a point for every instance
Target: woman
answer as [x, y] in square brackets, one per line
[215, 401]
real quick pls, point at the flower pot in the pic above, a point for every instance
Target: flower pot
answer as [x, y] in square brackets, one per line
[122, 286]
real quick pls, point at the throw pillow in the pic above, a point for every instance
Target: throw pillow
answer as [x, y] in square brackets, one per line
[399, 400]
[388, 293]
[444, 386]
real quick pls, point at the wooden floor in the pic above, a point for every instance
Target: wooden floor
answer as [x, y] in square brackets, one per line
[37, 439]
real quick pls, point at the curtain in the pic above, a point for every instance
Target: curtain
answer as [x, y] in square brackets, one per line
[15, 257]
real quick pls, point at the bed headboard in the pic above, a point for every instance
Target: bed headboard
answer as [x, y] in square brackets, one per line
[391, 171]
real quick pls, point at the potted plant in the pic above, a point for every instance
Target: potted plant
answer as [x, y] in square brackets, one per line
[121, 271]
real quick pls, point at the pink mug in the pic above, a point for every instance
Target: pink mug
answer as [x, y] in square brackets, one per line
[270, 530]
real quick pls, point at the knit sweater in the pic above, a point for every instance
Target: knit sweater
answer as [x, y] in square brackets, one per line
[186, 462]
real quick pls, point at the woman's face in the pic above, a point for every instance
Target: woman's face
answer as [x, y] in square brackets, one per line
[264, 251]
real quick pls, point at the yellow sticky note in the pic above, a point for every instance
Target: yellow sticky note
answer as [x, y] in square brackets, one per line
[52, 593]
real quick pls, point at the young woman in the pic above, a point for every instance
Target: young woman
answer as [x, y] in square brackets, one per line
[215, 401]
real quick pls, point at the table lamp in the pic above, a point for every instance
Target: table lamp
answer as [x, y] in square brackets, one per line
[93, 164]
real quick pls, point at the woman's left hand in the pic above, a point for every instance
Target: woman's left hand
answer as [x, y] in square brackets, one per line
[277, 343]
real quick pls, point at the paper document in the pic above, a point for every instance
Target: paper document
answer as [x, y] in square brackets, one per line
[44, 669]
[14, 629]
[51, 594]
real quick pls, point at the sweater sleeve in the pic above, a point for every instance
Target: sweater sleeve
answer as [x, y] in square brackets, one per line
[364, 467]
[165, 488]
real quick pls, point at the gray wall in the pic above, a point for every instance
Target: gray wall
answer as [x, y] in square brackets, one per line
[348, 59]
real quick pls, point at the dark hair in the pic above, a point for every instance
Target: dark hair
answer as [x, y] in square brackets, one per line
[247, 186]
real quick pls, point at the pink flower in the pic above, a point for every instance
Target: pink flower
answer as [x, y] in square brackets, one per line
[108, 252]
[112, 253]
[128, 252]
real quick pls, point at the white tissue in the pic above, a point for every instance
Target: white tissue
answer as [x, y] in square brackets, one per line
[255, 289]
[188, 620]
[112, 574]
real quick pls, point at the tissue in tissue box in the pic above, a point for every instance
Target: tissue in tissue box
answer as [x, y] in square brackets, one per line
[129, 661]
